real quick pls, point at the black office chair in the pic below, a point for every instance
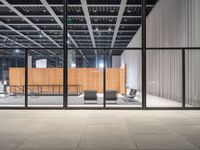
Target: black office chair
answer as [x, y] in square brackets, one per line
[130, 97]
[90, 96]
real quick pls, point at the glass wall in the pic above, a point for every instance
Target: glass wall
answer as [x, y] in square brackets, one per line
[85, 78]
[123, 78]
[192, 75]
[12, 78]
[45, 78]
[164, 78]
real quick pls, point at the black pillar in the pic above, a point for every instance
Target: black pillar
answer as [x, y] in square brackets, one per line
[65, 57]
[26, 78]
[183, 78]
[143, 54]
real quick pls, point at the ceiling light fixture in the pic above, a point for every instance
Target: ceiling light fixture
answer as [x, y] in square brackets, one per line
[97, 29]
[17, 50]
[129, 10]
[78, 10]
[95, 10]
[109, 29]
[112, 10]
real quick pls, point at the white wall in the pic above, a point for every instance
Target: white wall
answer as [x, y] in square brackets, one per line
[171, 23]
[132, 59]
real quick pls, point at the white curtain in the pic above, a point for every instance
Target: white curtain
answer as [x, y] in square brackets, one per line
[171, 23]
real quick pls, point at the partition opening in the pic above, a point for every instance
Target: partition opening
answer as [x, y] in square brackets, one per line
[123, 78]
[85, 78]
[45, 78]
[12, 78]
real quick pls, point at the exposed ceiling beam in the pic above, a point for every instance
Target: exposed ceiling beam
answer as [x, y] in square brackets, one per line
[46, 4]
[118, 22]
[4, 45]
[78, 5]
[11, 28]
[110, 5]
[89, 24]
[27, 20]
[77, 24]
[72, 16]
[5, 37]
[104, 24]
[68, 30]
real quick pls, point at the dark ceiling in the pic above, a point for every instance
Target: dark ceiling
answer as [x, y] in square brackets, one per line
[91, 23]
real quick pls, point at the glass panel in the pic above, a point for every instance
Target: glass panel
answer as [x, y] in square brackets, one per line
[12, 67]
[85, 78]
[192, 75]
[45, 78]
[164, 78]
[123, 78]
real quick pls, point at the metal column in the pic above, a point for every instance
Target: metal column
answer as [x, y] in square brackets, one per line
[65, 57]
[144, 54]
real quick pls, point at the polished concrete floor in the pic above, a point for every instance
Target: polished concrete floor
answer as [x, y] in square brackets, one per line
[99, 130]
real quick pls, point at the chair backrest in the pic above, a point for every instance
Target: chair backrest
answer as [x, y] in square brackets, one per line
[132, 92]
[111, 95]
[90, 95]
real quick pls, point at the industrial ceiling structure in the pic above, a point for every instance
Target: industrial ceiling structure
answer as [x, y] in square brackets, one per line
[90, 23]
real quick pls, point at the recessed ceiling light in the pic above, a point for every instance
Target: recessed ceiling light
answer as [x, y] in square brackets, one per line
[129, 10]
[95, 10]
[109, 29]
[17, 50]
[78, 10]
[95, 19]
[97, 29]
[112, 10]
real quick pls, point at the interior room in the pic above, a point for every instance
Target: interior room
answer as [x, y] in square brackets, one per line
[101, 62]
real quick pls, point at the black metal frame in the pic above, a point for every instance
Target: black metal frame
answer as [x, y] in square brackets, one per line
[144, 54]
[65, 106]
[143, 49]
[65, 57]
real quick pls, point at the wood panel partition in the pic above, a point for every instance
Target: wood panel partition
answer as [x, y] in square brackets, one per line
[50, 80]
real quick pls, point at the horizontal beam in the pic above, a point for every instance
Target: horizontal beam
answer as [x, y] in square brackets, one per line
[78, 5]
[71, 16]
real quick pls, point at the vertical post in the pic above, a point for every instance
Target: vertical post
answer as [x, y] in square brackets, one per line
[26, 78]
[65, 58]
[144, 54]
[183, 78]
[104, 78]
[96, 59]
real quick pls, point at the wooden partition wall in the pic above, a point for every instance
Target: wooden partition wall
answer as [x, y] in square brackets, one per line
[50, 80]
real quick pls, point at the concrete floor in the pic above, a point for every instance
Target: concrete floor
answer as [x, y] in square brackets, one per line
[78, 101]
[99, 130]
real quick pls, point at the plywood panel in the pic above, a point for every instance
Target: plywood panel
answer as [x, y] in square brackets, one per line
[42, 79]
